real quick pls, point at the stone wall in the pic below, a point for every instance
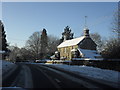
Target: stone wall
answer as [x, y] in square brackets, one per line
[66, 52]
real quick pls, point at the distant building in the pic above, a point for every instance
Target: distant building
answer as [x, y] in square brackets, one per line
[82, 47]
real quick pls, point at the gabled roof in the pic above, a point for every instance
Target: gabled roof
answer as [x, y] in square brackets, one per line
[71, 42]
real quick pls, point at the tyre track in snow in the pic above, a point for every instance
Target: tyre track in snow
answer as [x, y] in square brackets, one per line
[50, 77]
[40, 79]
[19, 78]
[9, 77]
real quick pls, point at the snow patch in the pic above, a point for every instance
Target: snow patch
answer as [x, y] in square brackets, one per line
[6, 65]
[91, 54]
[1, 52]
[107, 75]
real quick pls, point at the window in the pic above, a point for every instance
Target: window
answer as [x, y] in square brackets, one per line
[65, 50]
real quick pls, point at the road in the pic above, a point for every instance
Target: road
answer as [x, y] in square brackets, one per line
[41, 76]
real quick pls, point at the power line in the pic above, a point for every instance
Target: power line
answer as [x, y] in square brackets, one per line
[16, 39]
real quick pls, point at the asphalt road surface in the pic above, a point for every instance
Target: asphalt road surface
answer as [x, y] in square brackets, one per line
[31, 76]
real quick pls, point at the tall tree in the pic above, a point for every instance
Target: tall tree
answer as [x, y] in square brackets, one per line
[98, 40]
[40, 45]
[53, 42]
[14, 53]
[44, 44]
[3, 41]
[26, 54]
[112, 46]
[116, 22]
[3, 37]
[33, 44]
[66, 35]
[111, 49]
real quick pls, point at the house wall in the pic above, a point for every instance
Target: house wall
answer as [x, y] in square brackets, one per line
[87, 43]
[66, 52]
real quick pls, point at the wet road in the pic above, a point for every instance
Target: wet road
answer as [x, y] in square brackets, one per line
[39, 76]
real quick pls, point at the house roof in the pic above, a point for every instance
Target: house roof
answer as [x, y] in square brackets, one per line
[89, 53]
[1, 52]
[71, 42]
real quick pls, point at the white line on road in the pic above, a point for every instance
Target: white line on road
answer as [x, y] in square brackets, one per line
[57, 80]
[74, 79]
[51, 80]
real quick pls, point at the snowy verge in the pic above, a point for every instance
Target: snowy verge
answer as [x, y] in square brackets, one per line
[6, 66]
[92, 72]
[0, 74]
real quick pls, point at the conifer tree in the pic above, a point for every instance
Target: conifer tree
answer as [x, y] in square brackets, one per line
[3, 41]
[66, 35]
[44, 44]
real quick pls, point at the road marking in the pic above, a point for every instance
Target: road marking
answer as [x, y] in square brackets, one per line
[57, 80]
[45, 73]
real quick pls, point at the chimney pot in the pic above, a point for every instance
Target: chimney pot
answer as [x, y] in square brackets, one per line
[86, 32]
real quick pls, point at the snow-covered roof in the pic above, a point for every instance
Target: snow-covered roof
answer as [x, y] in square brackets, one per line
[74, 50]
[53, 56]
[71, 42]
[2, 52]
[89, 53]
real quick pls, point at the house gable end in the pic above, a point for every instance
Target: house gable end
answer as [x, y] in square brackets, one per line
[87, 43]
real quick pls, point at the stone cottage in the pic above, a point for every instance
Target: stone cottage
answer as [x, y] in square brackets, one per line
[81, 47]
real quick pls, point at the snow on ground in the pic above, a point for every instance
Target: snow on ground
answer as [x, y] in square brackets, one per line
[0, 66]
[6, 65]
[108, 75]
[0, 73]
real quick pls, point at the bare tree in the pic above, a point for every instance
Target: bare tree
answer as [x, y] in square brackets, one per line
[33, 44]
[98, 40]
[53, 42]
[40, 45]
[112, 45]
[14, 53]
[26, 54]
[116, 23]
[111, 48]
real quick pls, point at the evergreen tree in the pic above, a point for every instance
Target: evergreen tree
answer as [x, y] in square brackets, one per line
[44, 44]
[66, 35]
[3, 41]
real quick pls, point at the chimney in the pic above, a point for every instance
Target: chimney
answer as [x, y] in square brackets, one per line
[86, 32]
[65, 38]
